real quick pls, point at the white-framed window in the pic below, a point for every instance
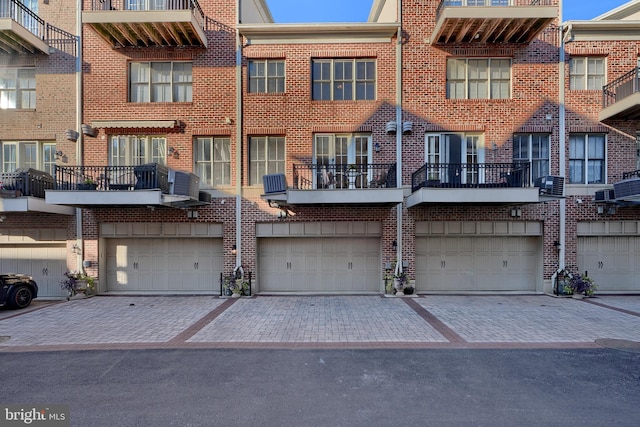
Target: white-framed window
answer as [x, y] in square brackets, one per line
[453, 157]
[213, 161]
[133, 150]
[478, 78]
[587, 73]
[160, 82]
[335, 155]
[266, 76]
[266, 156]
[17, 88]
[638, 151]
[587, 158]
[344, 79]
[533, 148]
[146, 4]
[27, 154]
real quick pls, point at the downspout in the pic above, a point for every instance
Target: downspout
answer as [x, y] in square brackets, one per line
[399, 137]
[562, 148]
[79, 160]
[238, 121]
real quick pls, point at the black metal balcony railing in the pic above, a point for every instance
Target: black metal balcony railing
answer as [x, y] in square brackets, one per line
[471, 175]
[113, 178]
[633, 174]
[339, 177]
[18, 12]
[146, 5]
[25, 182]
[621, 88]
[489, 3]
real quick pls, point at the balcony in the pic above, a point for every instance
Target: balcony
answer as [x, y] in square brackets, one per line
[621, 98]
[492, 21]
[150, 184]
[360, 185]
[24, 191]
[146, 23]
[495, 183]
[22, 31]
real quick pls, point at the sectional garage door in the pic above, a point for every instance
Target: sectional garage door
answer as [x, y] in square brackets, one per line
[166, 265]
[319, 264]
[612, 261]
[46, 263]
[478, 256]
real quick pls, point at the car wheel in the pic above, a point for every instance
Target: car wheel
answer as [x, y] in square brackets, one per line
[21, 297]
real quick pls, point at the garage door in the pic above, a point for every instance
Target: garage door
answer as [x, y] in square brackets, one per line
[477, 263]
[180, 265]
[612, 261]
[333, 265]
[46, 263]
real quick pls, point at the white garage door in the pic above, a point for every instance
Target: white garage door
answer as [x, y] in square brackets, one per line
[46, 263]
[477, 263]
[177, 265]
[613, 262]
[333, 265]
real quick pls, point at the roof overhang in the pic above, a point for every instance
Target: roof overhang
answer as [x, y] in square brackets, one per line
[601, 30]
[318, 33]
[130, 124]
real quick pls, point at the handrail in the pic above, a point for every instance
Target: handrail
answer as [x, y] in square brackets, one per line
[491, 3]
[26, 182]
[622, 87]
[471, 175]
[113, 178]
[343, 176]
[24, 16]
[144, 6]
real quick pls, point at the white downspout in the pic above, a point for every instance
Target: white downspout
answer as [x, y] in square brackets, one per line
[399, 137]
[238, 121]
[79, 160]
[563, 145]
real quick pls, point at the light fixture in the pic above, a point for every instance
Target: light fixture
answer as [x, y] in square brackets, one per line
[376, 147]
[516, 212]
[172, 151]
[228, 120]
[234, 250]
[76, 249]
[600, 210]
[2, 218]
[394, 245]
[282, 214]
[548, 117]
[59, 154]
[192, 214]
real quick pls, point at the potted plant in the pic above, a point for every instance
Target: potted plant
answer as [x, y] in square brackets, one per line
[399, 282]
[580, 285]
[88, 184]
[77, 284]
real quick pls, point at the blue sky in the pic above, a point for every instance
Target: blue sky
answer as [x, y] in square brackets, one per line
[288, 11]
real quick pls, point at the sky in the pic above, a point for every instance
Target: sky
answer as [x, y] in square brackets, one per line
[290, 11]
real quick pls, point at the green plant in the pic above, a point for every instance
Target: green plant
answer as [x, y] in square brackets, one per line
[89, 181]
[579, 284]
[73, 278]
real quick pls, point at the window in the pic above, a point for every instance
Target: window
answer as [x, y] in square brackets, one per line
[27, 154]
[344, 79]
[213, 161]
[137, 150]
[146, 4]
[586, 159]
[17, 88]
[533, 149]
[266, 157]
[586, 73]
[638, 151]
[333, 153]
[451, 158]
[160, 82]
[488, 78]
[266, 76]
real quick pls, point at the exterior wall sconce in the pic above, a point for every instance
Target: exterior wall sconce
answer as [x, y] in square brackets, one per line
[376, 147]
[59, 154]
[76, 249]
[394, 245]
[516, 212]
[556, 244]
[228, 120]
[234, 250]
[192, 214]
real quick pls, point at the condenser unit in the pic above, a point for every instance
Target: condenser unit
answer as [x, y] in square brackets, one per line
[550, 185]
[604, 196]
[627, 188]
[274, 183]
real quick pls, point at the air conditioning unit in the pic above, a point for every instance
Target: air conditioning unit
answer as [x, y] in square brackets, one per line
[627, 188]
[204, 196]
[604, 196]
[184, 183]
[274, 183]
[550, 185]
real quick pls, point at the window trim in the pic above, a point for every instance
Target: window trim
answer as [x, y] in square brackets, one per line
[18, 91]
[212, 163]
[354, 81]
[585, 75]
[257, 181]
[479, 153]
[585, 159]
[131, 156]
[40, 165]
[530, 159]
[267, 77]
[149, 84]
[467, 78]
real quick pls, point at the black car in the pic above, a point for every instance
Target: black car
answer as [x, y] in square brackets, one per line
[17, 290]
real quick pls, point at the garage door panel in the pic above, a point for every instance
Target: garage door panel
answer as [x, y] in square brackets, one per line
[611, 261]
[495, 263]
[45, 263]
